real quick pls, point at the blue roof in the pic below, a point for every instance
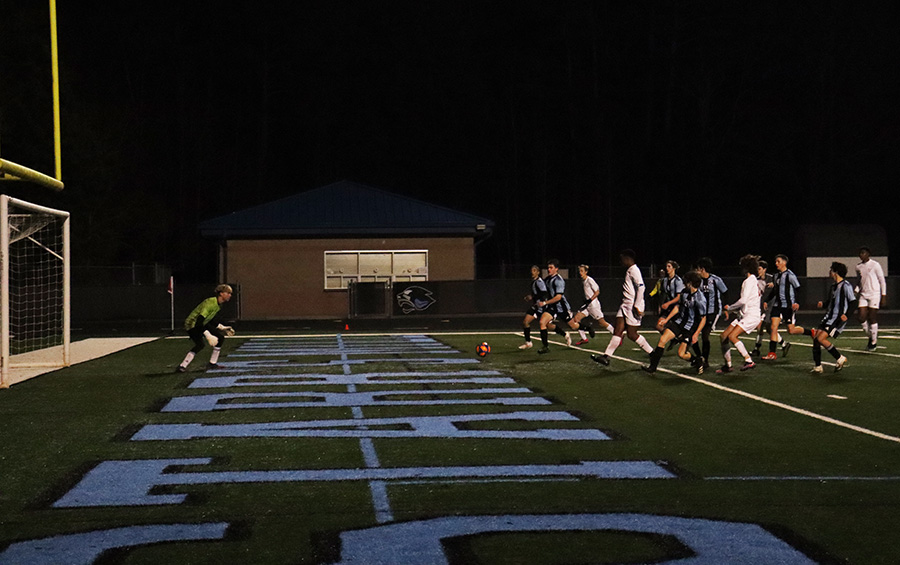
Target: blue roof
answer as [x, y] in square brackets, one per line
[345, 208]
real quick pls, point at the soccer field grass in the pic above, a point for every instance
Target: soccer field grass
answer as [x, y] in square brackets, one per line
[364, 448]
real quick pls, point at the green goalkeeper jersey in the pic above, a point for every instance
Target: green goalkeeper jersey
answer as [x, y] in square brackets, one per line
[208, 309]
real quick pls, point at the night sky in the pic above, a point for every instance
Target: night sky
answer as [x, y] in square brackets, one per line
[679, 129]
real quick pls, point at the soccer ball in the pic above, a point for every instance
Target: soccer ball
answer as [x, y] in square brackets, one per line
[482, 349]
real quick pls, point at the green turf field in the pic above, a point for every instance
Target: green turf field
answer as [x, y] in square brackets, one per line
[349, 448]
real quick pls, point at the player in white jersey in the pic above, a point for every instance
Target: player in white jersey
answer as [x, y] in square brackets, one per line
[750, 315]
[872, 290]
[628, 318]
[591, 307]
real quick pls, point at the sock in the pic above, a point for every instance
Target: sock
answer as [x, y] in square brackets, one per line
[817, 353]
[865, 327]
[582, 334]
[759, 338]
[613, 344]
[644, 344]
[727, 355]
[187, 359]
[544, 336]
[214, 358]
[695, 347]
[873, 332]
[780, 341]
[705, 347]
[527, 332]
[834, 351]
[772, 346]
[742, 349]
[610, 329]
[655, 356]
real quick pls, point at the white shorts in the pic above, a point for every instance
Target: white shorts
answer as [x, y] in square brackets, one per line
[594, 310]
[867, 302]
[748, 323]
[627, 311]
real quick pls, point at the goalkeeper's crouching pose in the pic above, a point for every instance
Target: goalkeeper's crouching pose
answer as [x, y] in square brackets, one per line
[201, 328]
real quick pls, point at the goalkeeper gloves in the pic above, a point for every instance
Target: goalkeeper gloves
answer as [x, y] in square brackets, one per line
[227, 330]
[210, 338]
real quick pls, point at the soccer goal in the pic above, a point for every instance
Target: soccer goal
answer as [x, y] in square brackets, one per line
[34, 290]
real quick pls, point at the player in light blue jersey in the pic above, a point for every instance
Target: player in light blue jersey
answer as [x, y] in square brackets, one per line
[713, 287]
[538, 294]
[785, 305]
[841, 303]
[682, 324]
[556, 307]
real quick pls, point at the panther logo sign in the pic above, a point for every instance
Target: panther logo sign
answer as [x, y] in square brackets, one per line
[415, 299]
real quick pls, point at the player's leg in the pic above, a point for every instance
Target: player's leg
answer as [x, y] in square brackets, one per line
[872, 320]
[196, 335]
[614, 341]
[526, 330]
[656, 354]
[546, 319]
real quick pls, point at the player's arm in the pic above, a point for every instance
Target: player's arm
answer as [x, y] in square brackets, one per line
[882, 283]
[700, 326]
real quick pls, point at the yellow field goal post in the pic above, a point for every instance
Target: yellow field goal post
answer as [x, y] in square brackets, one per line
[35, 292]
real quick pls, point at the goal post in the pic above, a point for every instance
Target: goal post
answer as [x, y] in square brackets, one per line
[35, 292]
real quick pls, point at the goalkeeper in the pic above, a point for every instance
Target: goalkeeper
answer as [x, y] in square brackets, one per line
[200, 327]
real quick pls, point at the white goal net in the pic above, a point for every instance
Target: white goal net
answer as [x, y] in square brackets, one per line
[35, 294]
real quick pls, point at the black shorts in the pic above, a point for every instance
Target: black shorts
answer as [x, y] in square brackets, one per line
[535, 311]
[786, 314]
[833, 330]
[681, 334]
[560, 315]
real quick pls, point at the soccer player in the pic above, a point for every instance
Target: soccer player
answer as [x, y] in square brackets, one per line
[872, 294]
[713, 287]
[784, 305]
[556, 308]
[683, 323]
[671, 287]
[591, 307]
[841, 302]
[628, 318]
[765, 290]
[200, 328]
[750, 315]
[538, 294]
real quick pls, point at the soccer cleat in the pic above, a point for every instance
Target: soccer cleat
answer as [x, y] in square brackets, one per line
[700, 369]
[544, 350]
[785, 348]
[180, 369]
[648, 369]
[581, 342]
[839, 364]
[526, 345]
[591, 331]
[210, 366]
[755, 352]
[695, 362]
[568, 340]
[871, 346]
[603, 359]
[748, 365]
[724, 369]
[770, 356]
[817, 369]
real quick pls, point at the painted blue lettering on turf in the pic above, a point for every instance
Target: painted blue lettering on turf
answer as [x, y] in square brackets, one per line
[419, 427]
[128, 483]
[713, 542]
[436, 377]
[229, 401]
[85, 548]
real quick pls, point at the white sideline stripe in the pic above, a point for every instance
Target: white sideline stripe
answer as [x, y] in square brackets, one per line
[764, 400]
